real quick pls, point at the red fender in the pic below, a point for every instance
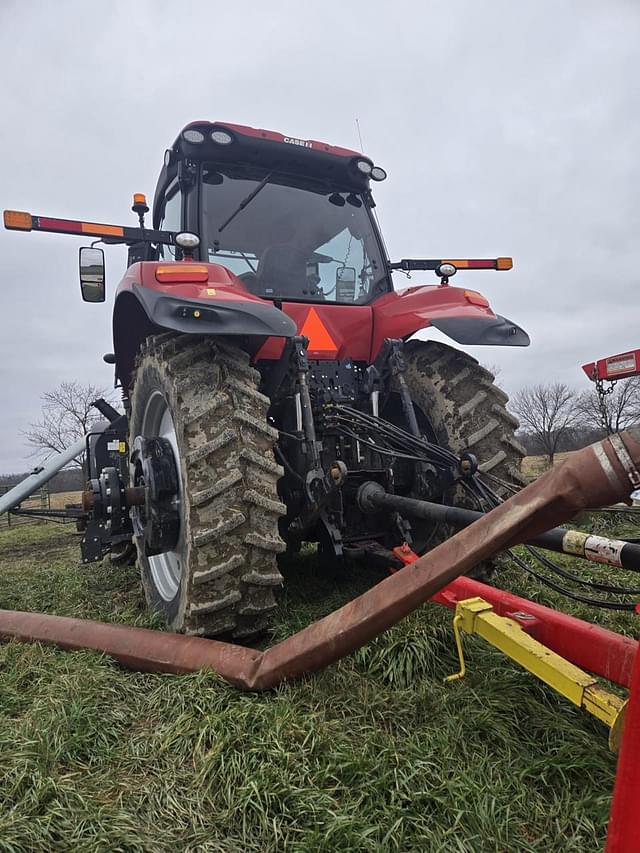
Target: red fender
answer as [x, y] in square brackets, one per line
[464, 315]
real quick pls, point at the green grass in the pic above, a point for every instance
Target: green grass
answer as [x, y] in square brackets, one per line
[374, 754]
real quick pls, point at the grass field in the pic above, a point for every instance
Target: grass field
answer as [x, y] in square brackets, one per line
[534, 466]
[374, 754]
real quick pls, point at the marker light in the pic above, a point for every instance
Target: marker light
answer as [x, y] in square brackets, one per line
[193, 136]
[446, 270]
[221, 137]
[187, 240]
[378, 174]
[482, 263]
[182, 273]
[18, 220]
[476, 298]
[364, 166]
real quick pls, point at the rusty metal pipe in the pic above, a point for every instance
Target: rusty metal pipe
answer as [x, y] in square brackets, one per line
[597, 475]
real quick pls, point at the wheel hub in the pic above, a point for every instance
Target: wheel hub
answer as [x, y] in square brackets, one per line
[157, 521]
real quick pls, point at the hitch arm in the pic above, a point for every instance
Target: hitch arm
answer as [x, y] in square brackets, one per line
[476, 616]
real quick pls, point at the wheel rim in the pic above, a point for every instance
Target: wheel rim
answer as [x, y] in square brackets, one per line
[166, 568]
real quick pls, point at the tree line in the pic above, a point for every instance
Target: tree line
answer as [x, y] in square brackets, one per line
[554, 417]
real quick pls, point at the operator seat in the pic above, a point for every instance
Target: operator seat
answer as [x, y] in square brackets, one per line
[282, 270]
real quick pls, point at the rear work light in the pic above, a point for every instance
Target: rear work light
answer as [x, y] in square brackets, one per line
[194, 136]
[221, 137]
[182, 273]
[446, 270]
[364, 166]
[187, 240]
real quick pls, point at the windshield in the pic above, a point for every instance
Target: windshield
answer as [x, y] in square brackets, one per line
[293, 240]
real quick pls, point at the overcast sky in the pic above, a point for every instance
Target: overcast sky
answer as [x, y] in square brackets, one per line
[507, 128]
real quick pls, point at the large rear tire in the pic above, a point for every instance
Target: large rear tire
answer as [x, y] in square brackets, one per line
[466, 411]
[201, 395]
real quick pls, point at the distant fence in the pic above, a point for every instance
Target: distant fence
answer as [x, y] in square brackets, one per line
[38, 500]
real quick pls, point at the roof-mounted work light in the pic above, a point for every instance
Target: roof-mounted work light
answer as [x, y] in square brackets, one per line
[195, 137]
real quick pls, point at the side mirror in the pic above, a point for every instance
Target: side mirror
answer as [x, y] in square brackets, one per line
[345, 284]
[92, 276]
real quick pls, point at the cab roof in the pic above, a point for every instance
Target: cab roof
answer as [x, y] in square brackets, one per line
[252, 146]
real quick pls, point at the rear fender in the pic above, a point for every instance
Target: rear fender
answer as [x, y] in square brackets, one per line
[464, 315]
[218, 305]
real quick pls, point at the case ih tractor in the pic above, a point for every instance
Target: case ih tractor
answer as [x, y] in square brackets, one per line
[272, 394]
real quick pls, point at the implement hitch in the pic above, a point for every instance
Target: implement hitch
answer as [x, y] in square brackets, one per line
[476, 616]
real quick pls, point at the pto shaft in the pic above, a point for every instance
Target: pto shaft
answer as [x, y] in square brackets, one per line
[372, 497]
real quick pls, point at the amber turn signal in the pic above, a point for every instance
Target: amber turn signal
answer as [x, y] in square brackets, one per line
[182, 273]
[476, 298]
[18, 220]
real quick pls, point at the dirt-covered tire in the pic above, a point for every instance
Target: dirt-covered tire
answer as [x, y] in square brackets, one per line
[466, 409]
[222, 580]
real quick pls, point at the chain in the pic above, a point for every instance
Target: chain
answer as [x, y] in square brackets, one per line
[602, 393]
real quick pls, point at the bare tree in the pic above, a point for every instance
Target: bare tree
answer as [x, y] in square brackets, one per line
[548, 412]
[618, 408]
[67, 415]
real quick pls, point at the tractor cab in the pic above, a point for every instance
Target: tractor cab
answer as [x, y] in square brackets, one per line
[291, 218]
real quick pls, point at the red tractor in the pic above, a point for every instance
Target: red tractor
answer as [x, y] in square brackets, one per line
[272, 393]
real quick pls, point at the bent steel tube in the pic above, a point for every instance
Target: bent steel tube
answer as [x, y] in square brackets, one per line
[589, 477]
[47, 470]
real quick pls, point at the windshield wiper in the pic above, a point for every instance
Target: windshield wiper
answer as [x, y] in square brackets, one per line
[246, 201]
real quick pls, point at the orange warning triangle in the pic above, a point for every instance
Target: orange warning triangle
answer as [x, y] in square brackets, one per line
[319, 338]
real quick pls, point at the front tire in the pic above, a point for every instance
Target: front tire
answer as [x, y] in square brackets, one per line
[201, 395]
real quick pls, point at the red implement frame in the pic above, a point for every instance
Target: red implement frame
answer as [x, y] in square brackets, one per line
[624, 821]
[588, 646]
[620, 366]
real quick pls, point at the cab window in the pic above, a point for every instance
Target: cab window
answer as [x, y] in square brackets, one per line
[171, 218]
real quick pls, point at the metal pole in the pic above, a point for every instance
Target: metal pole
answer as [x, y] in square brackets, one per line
[624, 821]
[43, 474]
[598, 549]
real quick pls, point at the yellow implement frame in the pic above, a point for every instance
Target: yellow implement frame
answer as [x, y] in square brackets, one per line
[476, 616]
